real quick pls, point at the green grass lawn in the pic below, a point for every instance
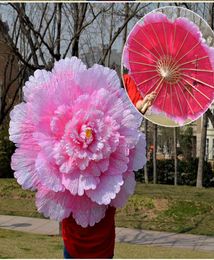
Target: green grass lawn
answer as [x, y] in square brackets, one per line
[180, 209]
[16, 201]
[155, 207]
[16, 244]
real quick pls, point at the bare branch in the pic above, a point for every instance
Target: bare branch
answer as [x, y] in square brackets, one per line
[117, 33]
[14, 49]
[81, 29]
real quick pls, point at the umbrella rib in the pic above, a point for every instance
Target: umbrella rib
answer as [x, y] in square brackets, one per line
[171, 98]
[145, 48]
[164, 29]
[174, 37]
[180, 106]
[186, 99]
[192, 96]
[141, 54]
[151, 42]
[147, 80]
[197, 89]
[142, 63]
[204, 57]
[187, 52]
[151, 87]
[198, 80]
[200, 70]
[165, 97]
[181, 45]
[143, 71]
[161, 85]
[157, 38]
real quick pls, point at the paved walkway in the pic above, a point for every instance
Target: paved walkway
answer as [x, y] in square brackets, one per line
[135, 236]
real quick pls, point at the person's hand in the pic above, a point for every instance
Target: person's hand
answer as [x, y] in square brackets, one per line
[143, 105]
[150, 97]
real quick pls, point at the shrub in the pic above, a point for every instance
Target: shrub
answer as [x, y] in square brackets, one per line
[6, 150]
[187, 172]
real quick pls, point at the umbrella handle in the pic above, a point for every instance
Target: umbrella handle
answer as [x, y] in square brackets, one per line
[145, 107]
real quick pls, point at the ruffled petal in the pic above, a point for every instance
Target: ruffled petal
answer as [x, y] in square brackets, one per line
[106, 190]
[23, 163]
[53, 205]
[48, 173]
[118, 162]
[78, 183]
[126, 190]
[21, 127]
[68, 68]
[86, 212]
[139, 156]
[40, 79]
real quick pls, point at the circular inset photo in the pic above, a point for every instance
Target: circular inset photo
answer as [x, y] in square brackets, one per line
[168, 66]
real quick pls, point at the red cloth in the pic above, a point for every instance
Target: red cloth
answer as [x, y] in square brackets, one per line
[90, 242]
[131, 89]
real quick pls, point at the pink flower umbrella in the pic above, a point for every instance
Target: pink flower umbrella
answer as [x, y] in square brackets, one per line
[172, 59]
[78, 141]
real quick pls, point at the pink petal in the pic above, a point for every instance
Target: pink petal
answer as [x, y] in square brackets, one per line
[48, 173]
[55, 205]
[78, 183]
[46, 143]
[118, 162]
[139, 156]
[35, 82]
[126, 190]
[23, 163]
[87, 213]
[21, 127]
[93, 76]
[68, 68]
[106, 190]
[67, 166]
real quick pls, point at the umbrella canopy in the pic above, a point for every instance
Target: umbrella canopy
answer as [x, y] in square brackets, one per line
[172, 59]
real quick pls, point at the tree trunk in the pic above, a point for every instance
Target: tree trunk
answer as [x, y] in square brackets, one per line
[126, 27]
[211, 15]
[80, 13]
[175, 156]
[59, 25]
[154, 154]
[146, 137]
[210, 116]
[110, 36]
[199, 182]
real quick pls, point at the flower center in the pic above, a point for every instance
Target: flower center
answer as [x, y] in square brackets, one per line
[88, 133]
[168, 69]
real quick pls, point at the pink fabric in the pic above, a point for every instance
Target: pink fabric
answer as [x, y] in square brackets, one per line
[182, 41]
[77, 138]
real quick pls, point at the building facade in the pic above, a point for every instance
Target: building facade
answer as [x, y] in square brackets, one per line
[9, 74]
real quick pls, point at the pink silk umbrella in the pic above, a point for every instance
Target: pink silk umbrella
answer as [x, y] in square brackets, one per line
[172, 59]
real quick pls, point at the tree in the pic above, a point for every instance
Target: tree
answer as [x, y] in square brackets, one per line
[11, 76]
[208, 114]
[199, 181]
[175, 156]
[37, 39]
[155, 153]
[130, 12]
[186, 141]
[146, 137]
